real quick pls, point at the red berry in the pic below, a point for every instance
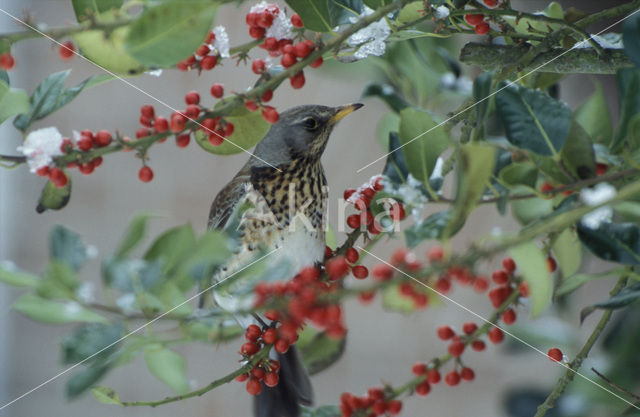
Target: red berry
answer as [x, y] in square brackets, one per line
[242, 377]
[252, 19]
[382, 272]
[251, 105]
[423, 388]
[192, 111]
[7, 61]
[352, 255]
[296, 21]
[500, 277]
[394, 407]
[270, 114]
[270, 336]
[317, 63]
[43, 171]
[509, 317]
[271, 379]
[482, 28]
[297, 81]
[147, 111]
[142, 132]
[555, 354]
[253, 332]
[281, 346]
[228, 129]
[256, 32]
[87, 168]
[474, 19]
[272, 315]
[249, 348]
[456, 347]
[203, 50]
[160, 124]
[58, 177]
[288, 60]
[379, 407]
[265, 20]
[546, 187]
[523, 289]
[66, 50]
[478, 345]
[182, 141]
[491, 3]
[192, 97]
[443, 285]
[467, 374]
[258, 66]
[253, 386]
[433, 376]
[445, 333]
[145, 174]
[499, 295]
[481, 284]
[366, 296]
[496, 335]
[601, 169]
[360, 271]
[208, 62]
[435, 254]
[509, 265]
[552, 265]
[419, 368]
[452, 378]
[258, 373]
[270, 44]
[178, 122]
[85, 143]
[469, 328]
[337, 267]
[266, 96]
[301, 49]
[353, 221]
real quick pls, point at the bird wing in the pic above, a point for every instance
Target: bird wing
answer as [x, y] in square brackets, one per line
[226, 201]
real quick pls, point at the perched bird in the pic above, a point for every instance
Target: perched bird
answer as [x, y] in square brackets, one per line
[285, 183]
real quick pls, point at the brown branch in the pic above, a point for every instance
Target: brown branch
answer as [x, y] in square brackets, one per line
[616, 386]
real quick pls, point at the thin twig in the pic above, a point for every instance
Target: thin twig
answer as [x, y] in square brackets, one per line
[616, 386]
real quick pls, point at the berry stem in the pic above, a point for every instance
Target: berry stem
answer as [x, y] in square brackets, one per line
[575, 364]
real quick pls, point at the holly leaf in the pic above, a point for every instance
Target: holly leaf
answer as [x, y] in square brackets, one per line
[629, 93]
[577, 154]
[168, 366]
[519, 174]
[67, 247]
[573, 282]
[133, 235]
[318, 350]
[95, 341]
[314, 14]
[533, 120]
[567, 251]
[594, 116]
[11, 275]
[481, 91]
[105, 395]
[622, 299]
[48, 311]
[84, 379]
[386, 93]
[395, 167]
[613, 242]
[341, 10]
[12, 101]
[532, 265]
[631, 38]
[169, 31]
[430, 228]
[85, 9]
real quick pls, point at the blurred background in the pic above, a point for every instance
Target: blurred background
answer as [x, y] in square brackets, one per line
[381, 346]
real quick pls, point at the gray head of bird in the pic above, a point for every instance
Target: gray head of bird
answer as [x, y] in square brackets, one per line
[301, 132]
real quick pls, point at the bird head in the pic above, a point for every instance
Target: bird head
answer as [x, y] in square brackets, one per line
[301, 132]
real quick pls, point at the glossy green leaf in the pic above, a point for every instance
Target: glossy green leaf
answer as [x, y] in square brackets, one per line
[168, 366]
[85, 9]
[573, 282]
[172, 246]
[386, 93]
[594, 116]
[11, 275]
[340, 11]
[577, 154]
[60, 281]
[131, 275]
[530, 209]
[105, 395]
[567, 250]
[532, 265]
[423, 142]
[318, 350]
[314, 14]
[54, 197]
[92, 341]
[170, 31]
[410, 12]
[430, 228]
[550, 168]
[249, 129]
[476, 163]
[629, 95]
[631, 38]
[481, 92]
[133, 235]
[628, 210]
[171, 297]
[614, 242]
[67, 246]
[533, 120]
[86, 377]
[12, 101]
[48, 311]
[387, 124]
[519, 173]
[622, 299]
[395, 168]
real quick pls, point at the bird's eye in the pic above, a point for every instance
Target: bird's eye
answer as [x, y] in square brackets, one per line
[310, 123]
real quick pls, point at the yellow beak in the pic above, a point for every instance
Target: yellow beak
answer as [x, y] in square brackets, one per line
[343, 111]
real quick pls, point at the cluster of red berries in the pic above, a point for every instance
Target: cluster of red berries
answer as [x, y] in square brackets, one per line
[204, 58]
[305, 298]
[66, 50]
[547, 188]
[478, 22]
[7, 61]
[361, 198]
[376, 402]
[259, 22]
[266, 370]
[428, 375]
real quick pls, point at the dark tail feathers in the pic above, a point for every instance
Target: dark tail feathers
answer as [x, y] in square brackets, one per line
[293, 389]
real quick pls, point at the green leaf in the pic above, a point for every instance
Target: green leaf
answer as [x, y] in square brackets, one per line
[87, 340]
[614, 242]
[66, 246]
[48, 311]
[249, 129]
[631, 38]
[49, 96]
[386, 93]
[330, 237]
[476, 163]
[324, 411]
[530, 209]
[523, 24]
[170, 31]
[60, 281]
[629, 93]
[340, 11]
[423, 142]
[567, 251]
[395, 167]
[519, 173]
[167, 366]
[314, 14]
[12, 101]
[105, 395]
[85, 9]
[107, 49]
[131, 275]
[577, 154]
[628, 210]
[171, 298]
[10, 274]
[410, 12]
[622, 299]
[389, 123]
[133, 235]
[533, 120]
[54, 197]
[430, 228]
[481, 92]
[84, 379]
[573, 282]
[403, 35]
[318, 350]
[172, 246]
[594, 116]
[532, 264]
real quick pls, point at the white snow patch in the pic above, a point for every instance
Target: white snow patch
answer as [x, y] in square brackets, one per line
[41, 146]
[369, 40]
